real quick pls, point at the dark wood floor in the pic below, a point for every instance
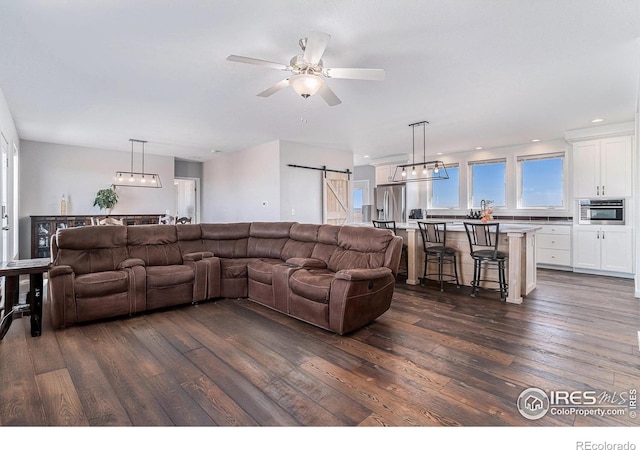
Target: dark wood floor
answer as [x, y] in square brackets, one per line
[433, 359]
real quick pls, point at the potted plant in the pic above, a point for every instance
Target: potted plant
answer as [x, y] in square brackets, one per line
[106, 199]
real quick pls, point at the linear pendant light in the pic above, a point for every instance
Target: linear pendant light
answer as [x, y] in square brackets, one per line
[423, 170]
[137, 179]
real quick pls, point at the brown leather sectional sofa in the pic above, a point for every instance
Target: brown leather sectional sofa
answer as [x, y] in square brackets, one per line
[336, 277]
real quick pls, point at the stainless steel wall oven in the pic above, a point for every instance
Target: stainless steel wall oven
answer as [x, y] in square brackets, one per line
[602, 212]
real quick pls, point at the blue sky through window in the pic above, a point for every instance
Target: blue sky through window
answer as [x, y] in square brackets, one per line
[489, 183]
[542, 182]
[445, 193]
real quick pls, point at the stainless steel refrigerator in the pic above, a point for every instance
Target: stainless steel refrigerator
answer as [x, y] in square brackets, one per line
[391, 201]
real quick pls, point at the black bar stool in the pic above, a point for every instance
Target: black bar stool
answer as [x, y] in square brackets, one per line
[434, 240]
[483, 243]
[391, 225]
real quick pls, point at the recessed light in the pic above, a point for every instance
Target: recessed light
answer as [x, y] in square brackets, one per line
[535, 140]
[365, 156]
[439, 153]
[478, 148]
[597, 120]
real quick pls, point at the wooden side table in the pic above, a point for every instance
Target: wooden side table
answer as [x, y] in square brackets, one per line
[12, 270]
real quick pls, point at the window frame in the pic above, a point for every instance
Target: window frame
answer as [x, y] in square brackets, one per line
[520, 179]
[470, 193]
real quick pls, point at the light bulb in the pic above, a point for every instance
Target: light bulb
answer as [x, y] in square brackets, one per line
[424, 169]
[404, 172]
[413, 171]
[436, 169]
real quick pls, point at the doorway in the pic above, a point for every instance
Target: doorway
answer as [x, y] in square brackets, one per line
[360, 201]
[187, 198]
[5, 249]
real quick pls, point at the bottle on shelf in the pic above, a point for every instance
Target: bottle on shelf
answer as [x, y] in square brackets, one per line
[63, 206]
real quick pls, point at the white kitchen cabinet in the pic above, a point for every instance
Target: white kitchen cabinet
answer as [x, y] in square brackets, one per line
[554, 245]
[603, 168]
[384, 174]
[603, 248]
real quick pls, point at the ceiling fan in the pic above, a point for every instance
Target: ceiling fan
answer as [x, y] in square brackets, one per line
[308, 72]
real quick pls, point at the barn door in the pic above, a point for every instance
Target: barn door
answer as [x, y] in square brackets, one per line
[336, 193]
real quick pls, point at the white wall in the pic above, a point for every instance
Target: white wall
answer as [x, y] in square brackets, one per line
[8, 129]
[301, 189]
[7, 126]
[235, 185]
[49, 171]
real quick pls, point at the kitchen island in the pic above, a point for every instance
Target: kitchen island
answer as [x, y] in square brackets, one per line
[517, 240]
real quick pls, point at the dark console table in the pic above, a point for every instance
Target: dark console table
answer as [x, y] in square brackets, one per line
[12, 270]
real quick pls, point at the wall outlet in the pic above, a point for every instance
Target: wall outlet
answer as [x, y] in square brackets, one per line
[293, 212]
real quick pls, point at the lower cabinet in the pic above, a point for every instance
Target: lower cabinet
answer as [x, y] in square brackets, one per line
[554, 246]
[603, 248]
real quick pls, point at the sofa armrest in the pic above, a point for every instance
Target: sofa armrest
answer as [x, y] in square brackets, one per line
[307, 263]
[363, 274]
[131, 262]
[56, 271]
[197, 256]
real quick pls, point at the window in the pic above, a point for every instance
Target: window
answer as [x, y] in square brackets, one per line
[488, 182]
[541, 181]
[446, 193]
[360, 192]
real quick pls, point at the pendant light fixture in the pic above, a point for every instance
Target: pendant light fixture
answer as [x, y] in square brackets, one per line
[431, 170]
[306, 84]
[137, 179]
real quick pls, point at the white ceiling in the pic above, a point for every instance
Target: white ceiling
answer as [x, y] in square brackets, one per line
[484, 73]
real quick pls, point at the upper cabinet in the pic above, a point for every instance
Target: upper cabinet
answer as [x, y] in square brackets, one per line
[384, 174]
[603, 167]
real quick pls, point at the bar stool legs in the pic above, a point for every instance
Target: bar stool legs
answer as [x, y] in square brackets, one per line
[441, 259]
[503, 287]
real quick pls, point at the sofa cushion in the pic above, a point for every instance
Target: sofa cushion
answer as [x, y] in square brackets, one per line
[302, 240]
[267, 239]
[87, 251]
[226, 240]
[360, 248]
[312, 284]
[234, 267]
[189, 238]
[100, 284]
[156, 245]
[262, 269]
[172, 275]
[327, 243]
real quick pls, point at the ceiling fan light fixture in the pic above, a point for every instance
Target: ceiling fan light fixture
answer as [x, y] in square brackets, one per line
[306, 84]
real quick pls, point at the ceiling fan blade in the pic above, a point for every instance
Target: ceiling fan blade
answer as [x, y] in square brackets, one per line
[355, 74]
[315, 46]
[257, 62]
[275, 88]
[328, 95]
